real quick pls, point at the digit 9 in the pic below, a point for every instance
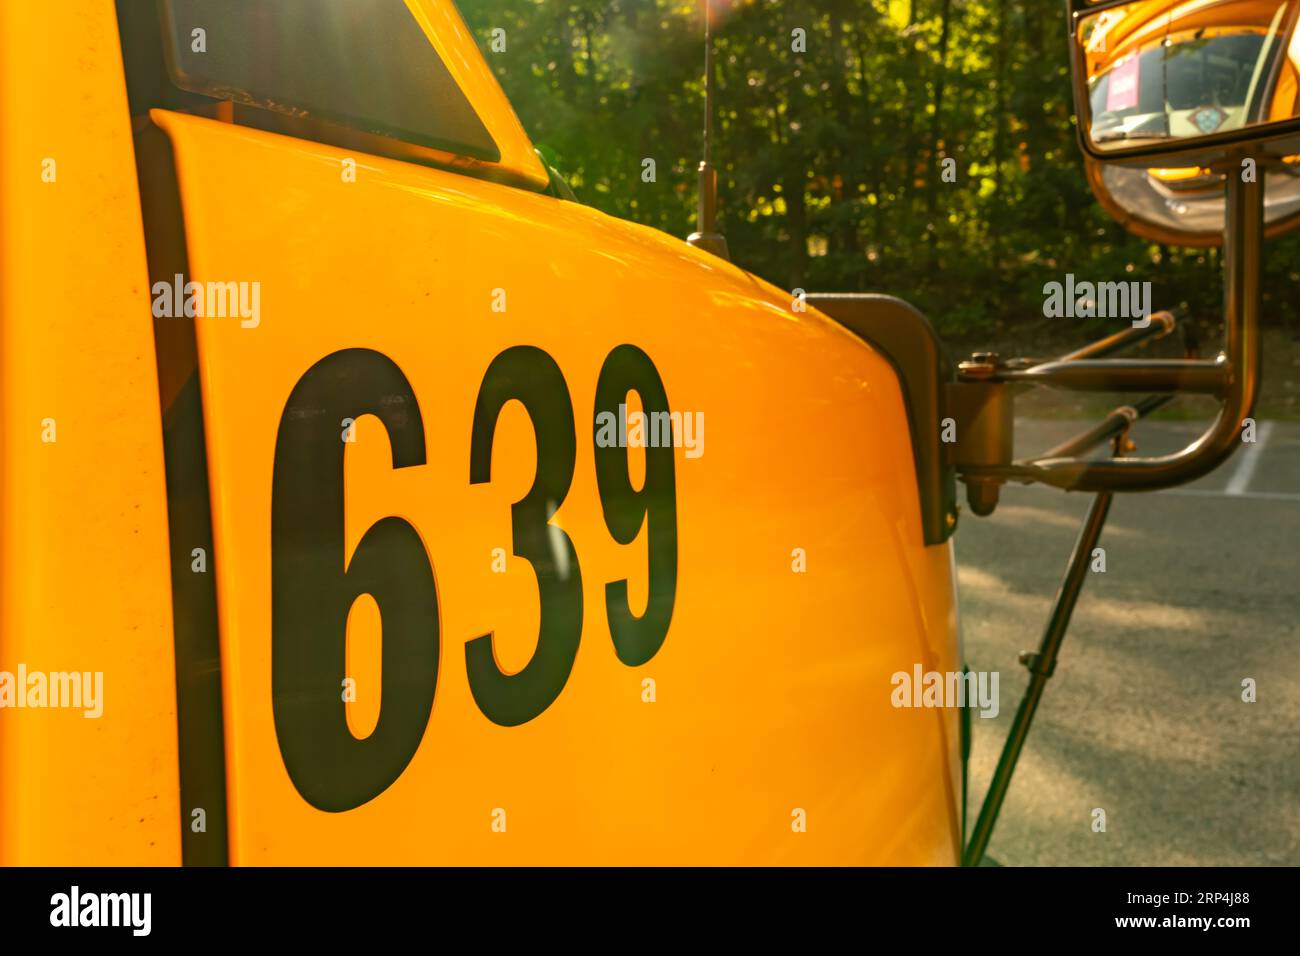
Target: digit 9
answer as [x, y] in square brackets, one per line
[628, 508]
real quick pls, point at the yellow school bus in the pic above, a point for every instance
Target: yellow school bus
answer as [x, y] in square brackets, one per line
[387, 473]
[365, 500]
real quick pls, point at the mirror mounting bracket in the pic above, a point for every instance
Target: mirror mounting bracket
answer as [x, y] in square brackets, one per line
[1234, 377]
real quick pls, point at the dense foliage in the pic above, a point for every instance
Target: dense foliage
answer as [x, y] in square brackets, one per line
[830, 159]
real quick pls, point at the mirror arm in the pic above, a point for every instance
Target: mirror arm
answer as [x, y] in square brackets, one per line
[1243, 264]
[1212, 377]
[1159, 324]
[1234, 376]
[1116, 423]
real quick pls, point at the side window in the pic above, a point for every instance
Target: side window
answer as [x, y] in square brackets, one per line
[361, 64]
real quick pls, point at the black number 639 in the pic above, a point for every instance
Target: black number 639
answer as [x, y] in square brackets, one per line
[314, 584]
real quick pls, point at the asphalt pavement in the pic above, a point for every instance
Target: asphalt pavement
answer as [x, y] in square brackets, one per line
[1144, 718]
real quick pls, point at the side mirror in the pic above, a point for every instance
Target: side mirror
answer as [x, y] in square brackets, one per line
[1154, 77]
[1167, 92]
[1186, 109]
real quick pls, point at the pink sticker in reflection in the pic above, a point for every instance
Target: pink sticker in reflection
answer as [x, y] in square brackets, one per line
[1123, 91]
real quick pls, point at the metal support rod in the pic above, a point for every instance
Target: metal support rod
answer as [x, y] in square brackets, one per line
[1119, 420]
[1159, 324]
[1041, 666]
[1127, 375]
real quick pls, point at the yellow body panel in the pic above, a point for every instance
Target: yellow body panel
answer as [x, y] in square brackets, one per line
[84, 581]
[772, 687]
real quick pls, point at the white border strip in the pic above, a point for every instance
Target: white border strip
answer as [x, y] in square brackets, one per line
[1249, 461]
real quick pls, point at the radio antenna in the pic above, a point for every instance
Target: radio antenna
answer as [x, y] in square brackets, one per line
[707, 237]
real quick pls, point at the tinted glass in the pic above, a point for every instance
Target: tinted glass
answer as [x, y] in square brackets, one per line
[364, 64]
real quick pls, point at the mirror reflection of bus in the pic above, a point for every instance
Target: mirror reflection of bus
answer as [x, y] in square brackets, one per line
[1158, 71]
